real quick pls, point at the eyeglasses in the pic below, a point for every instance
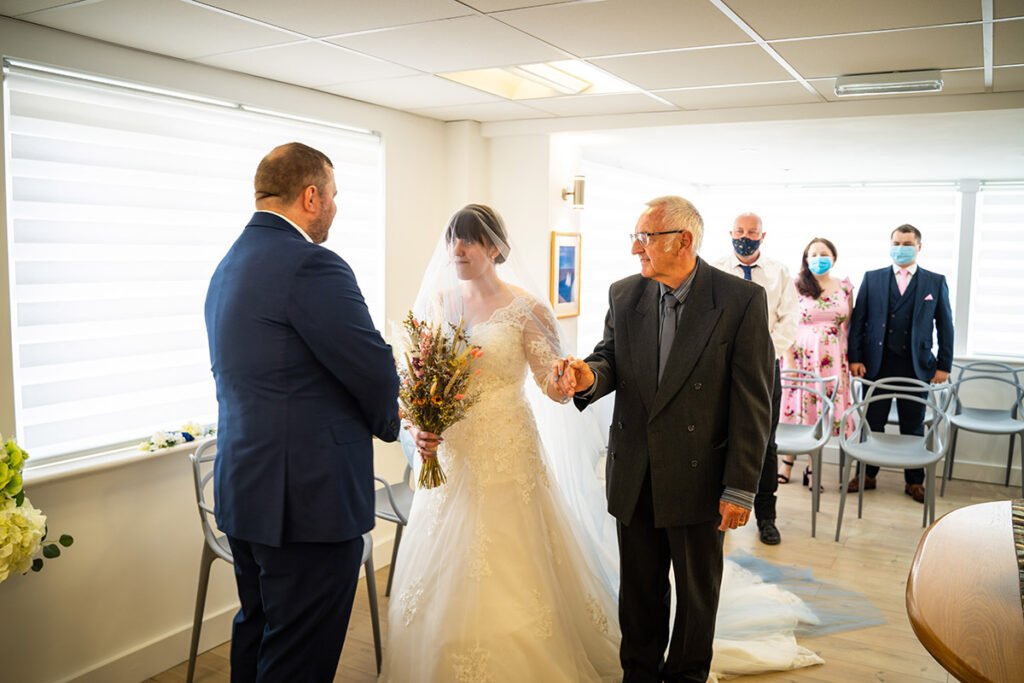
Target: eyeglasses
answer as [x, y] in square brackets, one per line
[644, 238]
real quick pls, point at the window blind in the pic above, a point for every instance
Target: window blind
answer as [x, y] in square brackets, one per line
[996, 313]
[120, 205]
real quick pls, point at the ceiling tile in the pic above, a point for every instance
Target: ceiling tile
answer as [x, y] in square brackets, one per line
[332, 17]
[1008, 8]
[453, 45]
[168, 27]
[412, 92]
[12, 8]
[934, 48]
[309, 63]
[492, 111]
[621, 26]
[1008, 79]
[600, 105]
[1008, 42]
[799, 18]
[499, 5]
[953, 83]
[759, 95]
[716, 66]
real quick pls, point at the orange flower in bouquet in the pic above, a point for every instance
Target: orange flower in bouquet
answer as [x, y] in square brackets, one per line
[436, 381]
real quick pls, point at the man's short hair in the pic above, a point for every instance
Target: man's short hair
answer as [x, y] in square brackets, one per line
[677, 213]
[289, 169]
[905, 228]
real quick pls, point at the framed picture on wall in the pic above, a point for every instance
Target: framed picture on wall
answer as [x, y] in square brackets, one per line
[565, 273]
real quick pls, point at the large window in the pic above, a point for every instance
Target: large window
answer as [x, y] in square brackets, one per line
[997, 310]
[120, 203]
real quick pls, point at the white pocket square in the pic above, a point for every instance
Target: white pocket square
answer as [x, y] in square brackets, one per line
[929, 298]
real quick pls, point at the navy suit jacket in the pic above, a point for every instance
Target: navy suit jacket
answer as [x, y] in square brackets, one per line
[932, 314]
[304, 380]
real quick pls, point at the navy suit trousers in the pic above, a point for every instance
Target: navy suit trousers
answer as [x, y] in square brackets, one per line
[911, 413]
[295, 607]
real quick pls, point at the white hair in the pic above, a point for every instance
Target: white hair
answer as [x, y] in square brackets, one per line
[677, 213]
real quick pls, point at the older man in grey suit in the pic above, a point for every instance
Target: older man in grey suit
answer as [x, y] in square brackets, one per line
[687, 352]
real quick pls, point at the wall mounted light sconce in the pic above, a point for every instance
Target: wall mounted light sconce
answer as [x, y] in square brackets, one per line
[578, 186]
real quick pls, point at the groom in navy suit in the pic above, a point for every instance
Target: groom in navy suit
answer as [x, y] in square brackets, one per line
[899, 309]
[304, 381]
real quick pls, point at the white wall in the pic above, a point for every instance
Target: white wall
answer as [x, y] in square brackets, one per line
[118, 606]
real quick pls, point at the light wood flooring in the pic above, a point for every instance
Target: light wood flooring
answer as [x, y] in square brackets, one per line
[873, 558]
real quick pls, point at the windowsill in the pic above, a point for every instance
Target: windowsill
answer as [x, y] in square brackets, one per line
[98, 462]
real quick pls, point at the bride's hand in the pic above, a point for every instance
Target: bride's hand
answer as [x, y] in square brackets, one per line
[426, 443]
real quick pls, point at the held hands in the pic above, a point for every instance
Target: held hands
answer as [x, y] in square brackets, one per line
[733, 516]
[858, 369]
[571, 375]
[940, 377]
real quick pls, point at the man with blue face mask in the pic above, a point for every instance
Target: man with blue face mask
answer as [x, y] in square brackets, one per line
[899, 310]
[748, 263]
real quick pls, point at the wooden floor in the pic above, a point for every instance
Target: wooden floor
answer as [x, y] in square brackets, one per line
[873, 558]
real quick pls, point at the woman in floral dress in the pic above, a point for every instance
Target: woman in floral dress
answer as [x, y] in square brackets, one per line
[826, 304]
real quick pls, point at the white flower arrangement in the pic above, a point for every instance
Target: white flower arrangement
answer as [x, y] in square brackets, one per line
[22, 526]
[190, 431]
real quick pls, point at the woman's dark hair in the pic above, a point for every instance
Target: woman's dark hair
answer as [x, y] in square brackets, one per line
[474, 224]
[806, 283]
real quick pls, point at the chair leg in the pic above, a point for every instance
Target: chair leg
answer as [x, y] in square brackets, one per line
[947, 473]
[844, 476]
[371, 591]
[197, 620]
[815, 490]
[842, 459]
[1009, 460]
[861, 473]
[394, 558]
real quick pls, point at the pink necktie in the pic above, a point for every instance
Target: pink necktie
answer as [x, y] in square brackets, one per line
[901, 280]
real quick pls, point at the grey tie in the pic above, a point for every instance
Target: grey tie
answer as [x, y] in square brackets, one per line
[669, 304]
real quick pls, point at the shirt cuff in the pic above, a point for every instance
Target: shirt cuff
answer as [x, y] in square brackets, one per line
[745, 499]
[585, 395]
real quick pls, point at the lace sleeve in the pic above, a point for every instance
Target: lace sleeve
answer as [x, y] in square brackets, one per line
[541, 342]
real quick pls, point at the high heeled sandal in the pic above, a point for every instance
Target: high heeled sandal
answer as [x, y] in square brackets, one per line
[784, 478]
[807, 480]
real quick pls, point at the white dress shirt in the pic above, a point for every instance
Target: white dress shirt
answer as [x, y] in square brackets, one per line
[290, 222]
[783, 306]
[912, 269]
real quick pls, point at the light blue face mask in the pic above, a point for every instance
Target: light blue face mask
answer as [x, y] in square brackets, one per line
[819, 265]
[902, 255]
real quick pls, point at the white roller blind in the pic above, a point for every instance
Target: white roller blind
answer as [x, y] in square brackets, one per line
[997, 313]
[120, 205]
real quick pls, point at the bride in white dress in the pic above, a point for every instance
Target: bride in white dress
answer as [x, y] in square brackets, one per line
[502, 576]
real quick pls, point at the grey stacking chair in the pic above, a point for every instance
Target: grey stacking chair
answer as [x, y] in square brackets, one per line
[797, 440]
[1006, 421]
[393, 502]
[896, 450]
[215, 546]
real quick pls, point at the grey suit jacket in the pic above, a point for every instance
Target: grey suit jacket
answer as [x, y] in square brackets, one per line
[706, 425]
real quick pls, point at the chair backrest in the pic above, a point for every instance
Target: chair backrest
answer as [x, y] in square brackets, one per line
[389, 491]
[936, 433]
[202, 474]
[938, 396]
[809, 387]
[1016, 407]
[795, 376]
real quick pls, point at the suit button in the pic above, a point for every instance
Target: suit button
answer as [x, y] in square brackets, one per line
[694, 463]
[879, 343]
[622, 384]
[620, 425]
[393, 426]
[893, 316]
[697, 386]
[611, 455]
[690, 428]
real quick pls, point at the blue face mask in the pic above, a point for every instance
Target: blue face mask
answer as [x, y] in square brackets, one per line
[745, 246]
[902, 255]
[819, 265]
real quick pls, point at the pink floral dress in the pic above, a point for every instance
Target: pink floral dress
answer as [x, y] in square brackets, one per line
[820, 347]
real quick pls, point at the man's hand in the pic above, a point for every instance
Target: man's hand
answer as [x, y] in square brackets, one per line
[571, 375]
[733, 516]
[858, 369]
[426, 443]
[940, 377]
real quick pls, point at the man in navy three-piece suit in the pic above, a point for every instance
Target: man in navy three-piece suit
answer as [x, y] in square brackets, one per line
[899, 309]
[304, 381]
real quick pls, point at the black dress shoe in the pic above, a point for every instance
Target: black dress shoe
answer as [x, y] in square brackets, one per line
[769, 532]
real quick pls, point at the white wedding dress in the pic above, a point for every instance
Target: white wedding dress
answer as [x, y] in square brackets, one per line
[493, 582]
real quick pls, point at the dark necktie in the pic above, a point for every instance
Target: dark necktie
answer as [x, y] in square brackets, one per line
[746, 271]
[669, 303]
